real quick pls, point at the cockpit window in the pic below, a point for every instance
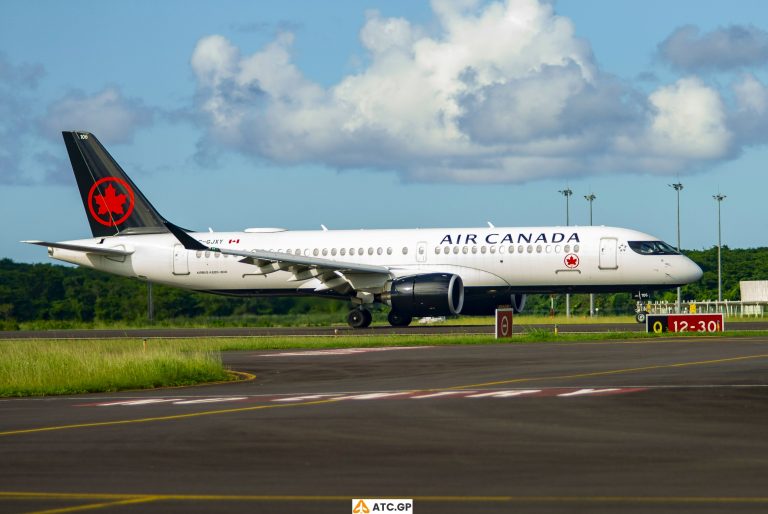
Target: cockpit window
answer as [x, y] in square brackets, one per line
[652, 248]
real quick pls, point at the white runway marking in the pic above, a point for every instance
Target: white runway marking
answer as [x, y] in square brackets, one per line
[558, 392]
[342, 351]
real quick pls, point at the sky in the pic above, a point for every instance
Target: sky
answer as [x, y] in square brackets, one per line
[391, 114]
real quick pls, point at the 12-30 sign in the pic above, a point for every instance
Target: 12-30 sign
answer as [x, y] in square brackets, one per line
[658, 323]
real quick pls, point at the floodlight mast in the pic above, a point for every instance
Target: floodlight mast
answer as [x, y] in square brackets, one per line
[678, 187]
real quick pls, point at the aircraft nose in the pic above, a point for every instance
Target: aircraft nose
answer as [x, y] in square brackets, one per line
[691, 271]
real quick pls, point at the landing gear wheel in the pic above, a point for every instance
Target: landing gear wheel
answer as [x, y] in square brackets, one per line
[640, 317]
[397, 319]
[359, 318]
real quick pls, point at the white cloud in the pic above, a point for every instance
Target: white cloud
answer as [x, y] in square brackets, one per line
[689, 121]
[722, 49]
[108, 114]
[750, 118]
[501, 91]
[17, 84]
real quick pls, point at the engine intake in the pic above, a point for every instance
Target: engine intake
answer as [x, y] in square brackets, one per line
[431, 294]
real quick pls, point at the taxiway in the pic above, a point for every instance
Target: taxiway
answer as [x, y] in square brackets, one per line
[635, 426]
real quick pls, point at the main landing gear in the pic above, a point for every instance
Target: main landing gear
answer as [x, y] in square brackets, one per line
[397, 319]
[359, 317]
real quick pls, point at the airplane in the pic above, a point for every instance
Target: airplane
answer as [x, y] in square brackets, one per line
[416, 272]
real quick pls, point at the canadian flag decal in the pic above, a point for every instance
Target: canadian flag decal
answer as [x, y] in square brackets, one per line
[234, 241]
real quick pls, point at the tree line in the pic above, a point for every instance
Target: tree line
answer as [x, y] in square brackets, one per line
[48, 292]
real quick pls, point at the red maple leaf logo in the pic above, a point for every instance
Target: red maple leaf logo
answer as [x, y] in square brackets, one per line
[110, 203]
[571, 260]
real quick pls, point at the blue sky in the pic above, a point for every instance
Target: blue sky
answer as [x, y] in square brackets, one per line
[235, 114]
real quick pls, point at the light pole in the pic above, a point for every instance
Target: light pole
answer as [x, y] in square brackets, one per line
[677, 187]
[591, 198]
[719, 198]
[567, 194]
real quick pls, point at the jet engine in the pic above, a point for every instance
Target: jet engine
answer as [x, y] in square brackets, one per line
[431, 294]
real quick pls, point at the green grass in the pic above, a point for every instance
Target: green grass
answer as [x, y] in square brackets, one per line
[49, 367]
[32, 368]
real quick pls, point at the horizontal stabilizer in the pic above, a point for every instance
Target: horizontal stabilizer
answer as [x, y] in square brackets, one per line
[96, 250]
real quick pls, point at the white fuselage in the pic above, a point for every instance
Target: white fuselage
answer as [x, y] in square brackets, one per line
[522, 259]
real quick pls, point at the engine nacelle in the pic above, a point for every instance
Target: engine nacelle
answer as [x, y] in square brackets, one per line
[431, 294]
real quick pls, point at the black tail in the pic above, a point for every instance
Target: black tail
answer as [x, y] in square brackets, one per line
[113, 204]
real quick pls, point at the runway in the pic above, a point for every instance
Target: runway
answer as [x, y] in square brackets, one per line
[415, 329]
[629, 426]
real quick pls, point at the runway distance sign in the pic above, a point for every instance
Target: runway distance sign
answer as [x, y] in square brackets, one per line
[503, 323]
[659, 323]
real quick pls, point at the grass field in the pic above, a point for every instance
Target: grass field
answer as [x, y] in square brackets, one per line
[31, 368]
[45, 367]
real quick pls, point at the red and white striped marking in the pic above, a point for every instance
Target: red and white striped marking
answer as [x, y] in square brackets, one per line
[560, 392]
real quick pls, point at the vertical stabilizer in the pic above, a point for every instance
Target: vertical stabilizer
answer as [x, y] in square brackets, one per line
[113, 204]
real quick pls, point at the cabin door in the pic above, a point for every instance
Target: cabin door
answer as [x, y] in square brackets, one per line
[608, 249]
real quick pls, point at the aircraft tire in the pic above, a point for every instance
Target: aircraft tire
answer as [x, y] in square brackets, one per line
[397, 319]
[640, 317]
[359, 318]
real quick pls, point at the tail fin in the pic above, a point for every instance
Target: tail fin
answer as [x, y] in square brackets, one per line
[113, 204]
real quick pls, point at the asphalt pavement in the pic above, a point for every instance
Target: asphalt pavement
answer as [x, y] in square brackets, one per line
[668, 425]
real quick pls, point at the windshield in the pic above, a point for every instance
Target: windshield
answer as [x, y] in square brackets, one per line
[652, 248]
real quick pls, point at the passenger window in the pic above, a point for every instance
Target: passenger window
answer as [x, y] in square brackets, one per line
[511, 249]
[207, 254]
[437, 250]
[298, 251]
[529, 249]
[217, 254]
[548, 248]
[405, 250]
[315, 252]
[333, 252]
[520, 249]
[557, 248]
[492, 249]
[198, 254]
[370, 251]
[474, 249]
[465, 250]
[421, 250]
[538, 248]
[361, 251]
[343, 251]
[567, 248]
[351, 251]
[482, 249]
[389, 250]
[576, 248]
[501, 249]
[379, 251]
[446, 250]
[455, 250]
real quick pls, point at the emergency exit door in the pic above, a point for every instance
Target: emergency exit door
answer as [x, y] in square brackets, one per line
[608, 249]
[180, 263]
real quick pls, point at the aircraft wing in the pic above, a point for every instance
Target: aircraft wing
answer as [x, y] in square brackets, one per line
[95, 250]
[336, 275]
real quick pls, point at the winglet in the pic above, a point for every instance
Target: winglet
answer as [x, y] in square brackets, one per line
[189, 242]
